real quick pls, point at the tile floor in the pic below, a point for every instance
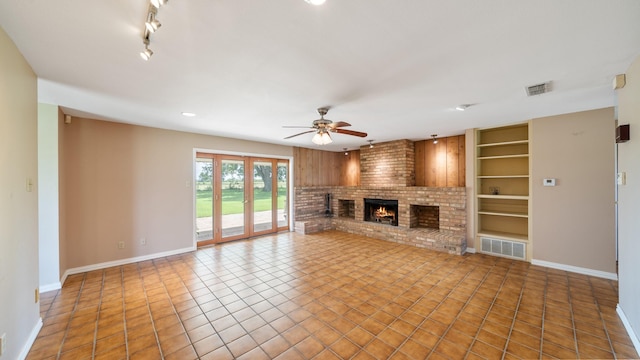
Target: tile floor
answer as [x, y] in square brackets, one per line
[330, 296]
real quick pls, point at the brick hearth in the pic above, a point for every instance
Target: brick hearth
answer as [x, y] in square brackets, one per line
[310, 218]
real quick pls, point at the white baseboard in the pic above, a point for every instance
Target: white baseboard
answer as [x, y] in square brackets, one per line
[109, 264]
[470, 250]
[576, 269]
[50, 287]
[634, 338]
[30, 340]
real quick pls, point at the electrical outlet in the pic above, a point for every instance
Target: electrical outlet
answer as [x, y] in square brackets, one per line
[494, 190]
[143, 241]
[3, 343]
[120, 244]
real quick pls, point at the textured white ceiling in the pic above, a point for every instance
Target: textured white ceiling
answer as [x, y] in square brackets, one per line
[394, 69]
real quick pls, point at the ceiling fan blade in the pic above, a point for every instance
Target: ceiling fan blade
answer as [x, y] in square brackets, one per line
[338, 124]
[305, 132]
[350, 132]
[297, 127]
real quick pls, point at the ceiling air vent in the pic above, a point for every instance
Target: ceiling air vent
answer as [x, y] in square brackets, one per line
[538, 89]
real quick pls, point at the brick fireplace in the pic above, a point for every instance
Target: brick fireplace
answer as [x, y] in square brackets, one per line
[429, 217]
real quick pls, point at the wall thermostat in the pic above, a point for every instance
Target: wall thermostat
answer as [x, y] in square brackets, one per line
[549, 182]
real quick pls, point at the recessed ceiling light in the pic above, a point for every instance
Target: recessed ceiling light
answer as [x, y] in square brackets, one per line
[315, 2]
[188, 114]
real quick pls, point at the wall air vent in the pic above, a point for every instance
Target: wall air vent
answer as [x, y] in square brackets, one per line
[538, 89]
[506, 248]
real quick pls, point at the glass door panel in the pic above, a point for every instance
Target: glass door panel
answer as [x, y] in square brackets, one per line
[262, 196]
[232, 205]
[282, 194]
[204, 199]
[233, 198]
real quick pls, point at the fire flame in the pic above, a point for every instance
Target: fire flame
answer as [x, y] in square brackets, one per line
[382, 212]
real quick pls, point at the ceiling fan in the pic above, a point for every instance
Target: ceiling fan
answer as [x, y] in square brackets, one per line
[322, 127]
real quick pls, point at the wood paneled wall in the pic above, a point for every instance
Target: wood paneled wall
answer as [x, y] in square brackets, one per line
[436, 165]
[441, 164]
[350, 169]
[325, 168]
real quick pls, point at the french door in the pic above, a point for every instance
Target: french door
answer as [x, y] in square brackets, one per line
[238, 197]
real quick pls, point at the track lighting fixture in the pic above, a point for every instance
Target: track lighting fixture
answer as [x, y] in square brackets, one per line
[435, 138]
[370, 144]
[345, 151]
[151, 25]
[462, 107]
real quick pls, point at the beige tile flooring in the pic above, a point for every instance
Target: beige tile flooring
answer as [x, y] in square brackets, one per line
[330, 296]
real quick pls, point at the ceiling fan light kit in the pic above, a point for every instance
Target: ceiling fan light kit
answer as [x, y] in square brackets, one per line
[322, 138]
[322, 127]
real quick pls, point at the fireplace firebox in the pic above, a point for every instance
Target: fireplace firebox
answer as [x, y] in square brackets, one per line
[381, 211]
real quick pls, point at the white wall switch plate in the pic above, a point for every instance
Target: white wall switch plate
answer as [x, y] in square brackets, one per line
[621, 178]
[549, 182]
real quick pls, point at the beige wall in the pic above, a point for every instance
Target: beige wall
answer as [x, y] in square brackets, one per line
[470, 181]
[19, 313]
[574, 222]
[62, 227]
[48, 204]
[124, 182]
[629, 202]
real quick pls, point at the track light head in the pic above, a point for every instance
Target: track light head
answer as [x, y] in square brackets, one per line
[158, 3]
[435, 138]
[152, 24]
[146, 54]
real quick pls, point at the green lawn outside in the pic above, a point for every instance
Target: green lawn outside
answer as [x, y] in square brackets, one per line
[233, 199]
